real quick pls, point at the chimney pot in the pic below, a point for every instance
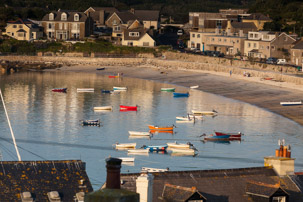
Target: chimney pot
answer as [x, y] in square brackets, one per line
[113, 166]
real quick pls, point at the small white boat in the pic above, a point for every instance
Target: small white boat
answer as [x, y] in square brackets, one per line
[119, 88]
[185, 119]
[204, 112]
[153, 170]
[127, 159]
[184, 151]
[193, 87]
[197, 116]
[103, 108]
[168, 89]
[125, 145]
[88, 90]
[178, 145]
[138, 151]
[291, 103]
[136, 133]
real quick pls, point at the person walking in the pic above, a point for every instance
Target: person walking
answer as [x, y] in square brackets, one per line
[230, 72]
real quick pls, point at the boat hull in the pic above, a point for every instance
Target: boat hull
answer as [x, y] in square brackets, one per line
[203, 112]
[138, 151]
[106, 91]
[290, 103]
[136, 133]
[103, 108]
[129, 108]
[161, 128]
[156, 148]
[120, 88]
[62, 90]
[168, 89]
[183, 151]
[90, 122]
[216, 138]
[126, 145]
[181, 94]
[90, 90]
[178, 145]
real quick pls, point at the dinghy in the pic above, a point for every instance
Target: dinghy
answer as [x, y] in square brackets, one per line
[103, 108]
[181, 94]
[183, 151]
[162, 128]
[138, 151]
[193, 87]
[212, 113]
[127, 159]
[168, 89]
[136, 133]
[85, 90]
[90, 122]
[291, 103]
[62, 90]
[119, 88]
[125, 145]
[178, 145]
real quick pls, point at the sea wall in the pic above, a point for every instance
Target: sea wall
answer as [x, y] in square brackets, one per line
[171, 61]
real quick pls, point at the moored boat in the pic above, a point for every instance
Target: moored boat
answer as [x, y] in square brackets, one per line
[168, 89]
[125, 145]
[127, 159]
[197, 116]
[185, 119]
[183, 151]
[90, 122]
[112, 76]
[119, 88]
[136, 133]
[101, 68]
[139, 151]
[62, 90]
[178, 145]
[217, 138]
[181, 94]
[161, 128]
[152, 170]
[107, 91]
[212, 113]
[156, 148]
[161, 131]
[231, 135]
[89, 90]
[291, 103]
[131, 108]
[193, 87]
[103, 108]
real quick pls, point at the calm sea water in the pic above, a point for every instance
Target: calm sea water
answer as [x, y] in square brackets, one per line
[46, 124]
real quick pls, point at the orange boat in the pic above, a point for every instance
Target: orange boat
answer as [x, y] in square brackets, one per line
[166, 128]
[161, 131]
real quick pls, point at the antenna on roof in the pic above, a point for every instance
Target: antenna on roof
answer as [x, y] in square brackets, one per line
[10, 127]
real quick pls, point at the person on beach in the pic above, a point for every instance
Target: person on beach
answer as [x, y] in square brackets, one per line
[230, 72]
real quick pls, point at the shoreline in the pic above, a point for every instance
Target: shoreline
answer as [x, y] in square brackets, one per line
[265, 94]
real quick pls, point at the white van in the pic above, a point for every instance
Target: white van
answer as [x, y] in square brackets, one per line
[281, 62]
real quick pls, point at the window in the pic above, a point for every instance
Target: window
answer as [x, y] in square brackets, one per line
[193, 35]
[114, 22]
[251, 36]
[248, 45]
[12, 33]
[273, 47]
[130, 43]
[224, 40]
[117, 28]
[21, 34]
[145, 43]
[51, 16]
[219, 39]
[65, 26]
[20, 26]
[255, 45]
[261, 47]
[63, 16]
[198, 35]
[267, 47]
[133, 34]
[238, 41]
[212, 39]
[76, 17]
[14, 26]
[285, 38]
[219, 23]
[49, 25]
[279, 199]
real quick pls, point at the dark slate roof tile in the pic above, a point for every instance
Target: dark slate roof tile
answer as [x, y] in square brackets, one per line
[70, 17]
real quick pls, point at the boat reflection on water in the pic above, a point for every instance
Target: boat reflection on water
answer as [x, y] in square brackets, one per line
[183, 154]
[128, 163]
[161, 131]
[223, 141]
[139, 137]
[159, 152]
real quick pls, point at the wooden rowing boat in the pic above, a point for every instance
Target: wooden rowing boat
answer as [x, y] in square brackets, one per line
[144, 151]
[125, 145]
[103, 108]
[291, 103]
[217, 138]
[136, 133]
[231, 135]
[193, 87]
[178, 145]
[183, 151]
[162, 128]
[89, 90]
[168, 89]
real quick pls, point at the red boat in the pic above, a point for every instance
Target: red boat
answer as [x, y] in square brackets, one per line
[128, 108]
[113, 76]
[232, 135]
[62, 90]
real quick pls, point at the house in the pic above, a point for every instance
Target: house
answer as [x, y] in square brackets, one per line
[198, 39]
[236, 27]
[137, 37]
[258, 19]
[276, 181]
[149, 18]
[100, 14]
[281, 46]
[43, 180]
[67, 25]
[24, 30]
[296, 53]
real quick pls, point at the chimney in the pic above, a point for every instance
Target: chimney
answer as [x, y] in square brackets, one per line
[101, 17]
[113, 166]
[241, 34]
[132, 10]
[282, 162]
[228, 32]
[144, 187]
[112, 192]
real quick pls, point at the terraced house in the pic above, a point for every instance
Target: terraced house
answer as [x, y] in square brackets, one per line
[67, 25]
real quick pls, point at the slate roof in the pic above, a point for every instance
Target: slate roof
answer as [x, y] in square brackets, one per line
[147, 15]
[257, 16]
[263, 189]
[244, 25]
[215, 185]
[299, 45]
[70, 17]
[21, 21]
[126, 16]
[108, 11]
[41, 177]
[298, 180]
[178, 193]
[141, 31]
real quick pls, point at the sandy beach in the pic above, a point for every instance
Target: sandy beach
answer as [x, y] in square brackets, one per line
[266, 94]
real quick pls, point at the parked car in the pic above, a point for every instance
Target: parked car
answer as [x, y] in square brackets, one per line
[281, 62]
[271, 60]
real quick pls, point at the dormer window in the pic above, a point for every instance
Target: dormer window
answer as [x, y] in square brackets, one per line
[134, 34]
[63, 16]
[54, 196]
[51, 16]
[76, 17]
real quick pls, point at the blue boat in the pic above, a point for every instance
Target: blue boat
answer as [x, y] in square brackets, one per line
[106, 91]
[156, 148]
[181, 94]
[90, 122]
[217, 138]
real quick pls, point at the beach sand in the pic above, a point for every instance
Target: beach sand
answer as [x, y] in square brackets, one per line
[265, 94]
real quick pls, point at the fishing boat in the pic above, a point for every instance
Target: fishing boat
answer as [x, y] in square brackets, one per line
[212, 113]
[291, 103]
[136, 133]
[183, 151]
[130, 108]
[90, 122]
[217, 138]
[156, 148]
[193, 87]
[178, 145]
[127, 159]
[181, 94]
[161, 128]
[89, 90]
[101, 68]
[119, 88]
[161, 131]
[232, 135]
[153, 170]
[168, 89]
[107, 91]
[139, 151]
[125, 145]
[62, 90]
[103, 108]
